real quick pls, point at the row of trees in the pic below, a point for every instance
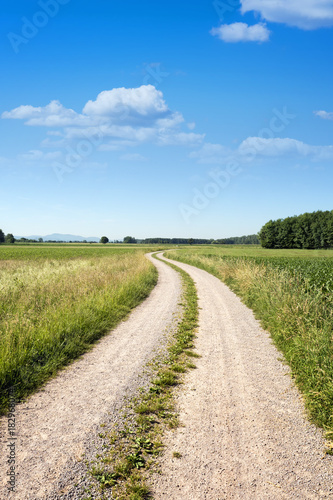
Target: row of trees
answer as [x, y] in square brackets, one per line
[6, 238]
[309, 230]
[251, 239]
[237, 240]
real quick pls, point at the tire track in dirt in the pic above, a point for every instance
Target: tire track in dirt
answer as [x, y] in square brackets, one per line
[59, 423]
[245, 433]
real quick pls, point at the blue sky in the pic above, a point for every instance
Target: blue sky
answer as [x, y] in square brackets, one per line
[189, 119]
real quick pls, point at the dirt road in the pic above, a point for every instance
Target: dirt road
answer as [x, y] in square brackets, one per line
[245, 434]
[61, 422]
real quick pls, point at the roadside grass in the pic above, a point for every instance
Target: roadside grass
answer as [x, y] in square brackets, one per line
[298, 315]
[132, 450]
[53, 309]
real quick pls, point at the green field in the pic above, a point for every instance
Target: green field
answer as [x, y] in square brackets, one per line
[291, 293]
[55, 301]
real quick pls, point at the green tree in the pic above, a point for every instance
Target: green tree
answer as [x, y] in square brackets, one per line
[308, 230]
[129, 239]
[9, 238]
[2, 236]
[104, 240]
[268, 235]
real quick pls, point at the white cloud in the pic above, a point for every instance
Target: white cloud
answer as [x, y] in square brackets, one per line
[171, 121]
[277, 147]
[137, 115]
[191, 125]
[139, 106]
[52, 115]
[256, 147]
[145, 100]
[304, 14]
[324, 114]
[241, 32]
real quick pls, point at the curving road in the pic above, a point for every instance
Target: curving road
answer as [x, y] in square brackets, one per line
[61, 422]
[245, 434]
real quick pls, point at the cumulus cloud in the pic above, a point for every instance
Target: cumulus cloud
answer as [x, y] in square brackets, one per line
[241, 32]
[304, 14]
[135, 114]
[324, 115]
[145, 101]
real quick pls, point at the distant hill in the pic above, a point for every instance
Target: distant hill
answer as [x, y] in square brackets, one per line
[59, 237]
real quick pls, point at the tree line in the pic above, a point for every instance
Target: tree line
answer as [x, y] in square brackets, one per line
[251, 239]
[309, 230]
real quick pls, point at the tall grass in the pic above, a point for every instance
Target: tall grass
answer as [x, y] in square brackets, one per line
[298, 316]
[52, 310]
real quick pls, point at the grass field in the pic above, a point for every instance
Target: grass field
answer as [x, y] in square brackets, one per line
[291, 293]
[55, 301]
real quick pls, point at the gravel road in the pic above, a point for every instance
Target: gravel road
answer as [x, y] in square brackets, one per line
[245, 434]
[61, 422]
